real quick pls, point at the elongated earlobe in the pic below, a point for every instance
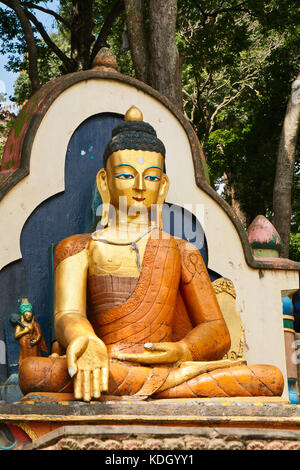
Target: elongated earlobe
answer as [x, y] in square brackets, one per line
[101, 180]
[164, 187]
[163, 190]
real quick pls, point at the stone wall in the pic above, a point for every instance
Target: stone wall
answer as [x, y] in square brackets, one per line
[98, 438]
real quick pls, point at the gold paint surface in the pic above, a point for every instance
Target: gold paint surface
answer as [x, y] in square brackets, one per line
[140, 185]
[133, 114]
[113, 259]
[70, 284]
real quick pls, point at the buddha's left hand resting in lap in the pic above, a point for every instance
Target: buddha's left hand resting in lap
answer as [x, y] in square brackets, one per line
[154, 327]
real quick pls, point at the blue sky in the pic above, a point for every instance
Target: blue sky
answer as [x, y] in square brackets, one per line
[7, 79]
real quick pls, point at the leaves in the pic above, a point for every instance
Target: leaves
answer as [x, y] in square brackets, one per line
[239, 60]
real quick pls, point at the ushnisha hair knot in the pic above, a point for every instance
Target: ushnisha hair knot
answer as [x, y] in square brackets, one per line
[134, 134]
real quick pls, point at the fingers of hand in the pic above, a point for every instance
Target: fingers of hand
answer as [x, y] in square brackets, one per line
[86, 385]
[75, 350]
[157, 346]
[170, 352]
[105, 379]
[96, 381]
[89, 384]
[77, 385]
[145, 358]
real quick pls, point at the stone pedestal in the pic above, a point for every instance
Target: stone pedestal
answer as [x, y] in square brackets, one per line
[155, 424]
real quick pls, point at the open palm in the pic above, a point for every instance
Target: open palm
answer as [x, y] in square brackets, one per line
[88, 363]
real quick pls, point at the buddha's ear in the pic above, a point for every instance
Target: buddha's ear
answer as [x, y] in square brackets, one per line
[101, 181]
[102, 185]
[164, 188]
[163, 191]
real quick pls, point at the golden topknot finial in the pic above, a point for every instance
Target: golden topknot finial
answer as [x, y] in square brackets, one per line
[133, 114]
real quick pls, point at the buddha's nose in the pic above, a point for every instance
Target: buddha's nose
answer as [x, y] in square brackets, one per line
[139, 182]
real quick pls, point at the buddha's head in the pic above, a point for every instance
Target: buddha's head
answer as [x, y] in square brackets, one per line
[25, 310]
[133, 176]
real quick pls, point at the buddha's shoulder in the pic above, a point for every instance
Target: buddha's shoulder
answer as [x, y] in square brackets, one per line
[70, 246]
[184, 245]
[191, 260]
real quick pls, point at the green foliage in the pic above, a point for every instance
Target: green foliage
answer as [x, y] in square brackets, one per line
[240, 62]
[295, 246]
[6, 124]
[115, 42]
[49, 67]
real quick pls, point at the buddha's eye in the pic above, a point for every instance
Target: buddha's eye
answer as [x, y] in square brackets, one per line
[124, 176]
[152, 178]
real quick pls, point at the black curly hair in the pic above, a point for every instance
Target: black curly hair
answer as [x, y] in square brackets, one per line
[133, 135]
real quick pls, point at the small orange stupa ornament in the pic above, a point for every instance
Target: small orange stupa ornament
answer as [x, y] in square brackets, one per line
[105, 60]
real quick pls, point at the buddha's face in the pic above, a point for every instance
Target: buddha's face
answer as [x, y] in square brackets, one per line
[27, 316]
[135, 176]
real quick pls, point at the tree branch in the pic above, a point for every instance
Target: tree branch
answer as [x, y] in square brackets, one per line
[81, 33]
[214, 13]
[30, 42]
[49, 12]
[69, 64]
[225, 102]
[106, 27]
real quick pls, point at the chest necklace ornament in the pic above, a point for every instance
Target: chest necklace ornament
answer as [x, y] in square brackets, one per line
[133, 244]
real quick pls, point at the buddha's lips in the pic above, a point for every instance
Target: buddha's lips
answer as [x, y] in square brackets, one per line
[138, 198]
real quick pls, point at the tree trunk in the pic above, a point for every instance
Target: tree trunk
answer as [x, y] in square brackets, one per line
[165, 63]
[235, 203]
[285, 168]
[81, 34]
[158, 63]
[69, 64]
[30, 42]
[134, 11]
[101, 40]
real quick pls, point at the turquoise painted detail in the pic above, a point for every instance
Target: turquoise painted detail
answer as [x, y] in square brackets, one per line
[158, 167]
[152, 178]
[9, 447]
[126, 176]
[293, 395]
[25, 307]
[287, 323]
[287, 305]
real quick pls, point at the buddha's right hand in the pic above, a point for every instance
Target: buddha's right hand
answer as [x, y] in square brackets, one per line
[87, 361]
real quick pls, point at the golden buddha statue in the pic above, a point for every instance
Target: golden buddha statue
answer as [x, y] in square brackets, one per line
[154, 327]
